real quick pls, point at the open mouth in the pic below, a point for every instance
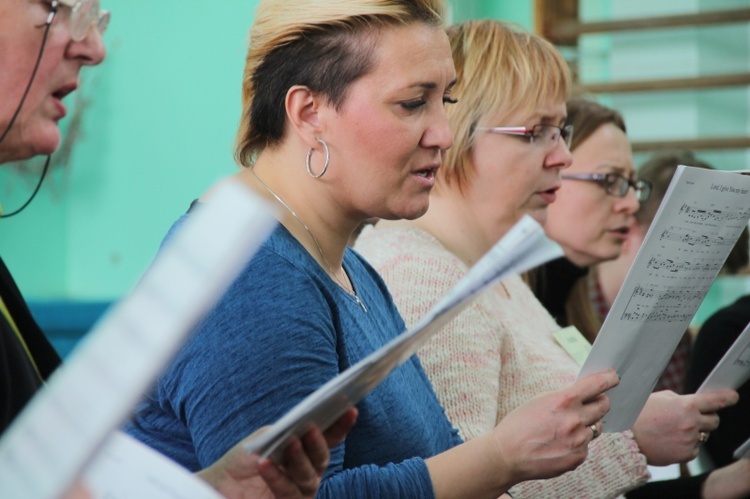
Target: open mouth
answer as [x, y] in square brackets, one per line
[62, 92]
[428, 173]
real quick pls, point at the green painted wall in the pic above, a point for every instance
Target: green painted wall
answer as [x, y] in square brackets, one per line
[519, 11]
[159, 129]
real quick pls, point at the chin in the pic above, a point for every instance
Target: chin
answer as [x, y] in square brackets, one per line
[409, 212]
[47, 142]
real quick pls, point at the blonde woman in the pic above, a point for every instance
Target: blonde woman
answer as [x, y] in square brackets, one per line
[510, 146]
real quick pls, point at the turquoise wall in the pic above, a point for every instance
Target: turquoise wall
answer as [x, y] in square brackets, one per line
[158, 130]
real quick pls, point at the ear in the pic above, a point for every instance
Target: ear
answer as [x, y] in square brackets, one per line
[302, 106]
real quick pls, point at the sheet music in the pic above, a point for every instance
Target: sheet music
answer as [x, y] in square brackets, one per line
[734, 367]
[743, 451]
[125, 469]
[57, 433]
[697, 224]
[524, 247]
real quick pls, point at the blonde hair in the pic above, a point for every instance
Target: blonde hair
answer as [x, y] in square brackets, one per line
[325, 45]
[500, 69]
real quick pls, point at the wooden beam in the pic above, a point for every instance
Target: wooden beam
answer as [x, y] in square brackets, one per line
[550, 13]
[700, 82]
[571, 29]
[715, 143]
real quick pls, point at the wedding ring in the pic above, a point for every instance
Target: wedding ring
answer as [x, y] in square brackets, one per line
[703, 438]
[595, 430]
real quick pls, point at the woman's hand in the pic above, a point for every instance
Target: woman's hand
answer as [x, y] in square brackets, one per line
[549, 435]
[543, 438]
[238, 475]
[669, 428]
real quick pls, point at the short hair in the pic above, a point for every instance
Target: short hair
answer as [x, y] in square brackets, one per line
[587, 116]
[659, 170]
[501, 69]
[325, 45]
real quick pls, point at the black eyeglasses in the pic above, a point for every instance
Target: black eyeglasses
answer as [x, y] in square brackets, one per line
[545, 135]
[615, 184]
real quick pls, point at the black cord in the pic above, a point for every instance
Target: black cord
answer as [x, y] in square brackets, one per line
[20, 105]
[33, 194]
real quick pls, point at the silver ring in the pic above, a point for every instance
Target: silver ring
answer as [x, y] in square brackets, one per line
[703, 438]
[595, 431]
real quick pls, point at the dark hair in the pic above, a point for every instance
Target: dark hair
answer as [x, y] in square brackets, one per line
[587, 116]
[326, 63]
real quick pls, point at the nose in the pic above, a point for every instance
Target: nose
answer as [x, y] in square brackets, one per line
[438, 133]
[559, 157]
[90, 51]
[628, 204]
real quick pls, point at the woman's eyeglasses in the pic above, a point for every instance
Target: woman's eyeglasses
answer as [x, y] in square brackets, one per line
[615, 184]
[546, 136]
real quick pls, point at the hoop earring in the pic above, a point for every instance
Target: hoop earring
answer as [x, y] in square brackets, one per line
[325, 166]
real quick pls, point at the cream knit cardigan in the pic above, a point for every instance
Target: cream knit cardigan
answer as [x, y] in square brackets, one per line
[493, 357]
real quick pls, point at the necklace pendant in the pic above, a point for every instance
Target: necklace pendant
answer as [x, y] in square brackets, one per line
[361, 304]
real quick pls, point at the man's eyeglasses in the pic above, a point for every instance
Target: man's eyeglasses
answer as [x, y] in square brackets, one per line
[615, 184]
[546, 136]
[84, 15]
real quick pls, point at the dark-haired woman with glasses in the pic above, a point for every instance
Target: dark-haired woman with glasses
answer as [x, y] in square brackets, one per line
[592, 218]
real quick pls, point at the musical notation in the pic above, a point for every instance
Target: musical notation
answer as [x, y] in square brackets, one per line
[674, 266]
[713, 214]
[694, 238]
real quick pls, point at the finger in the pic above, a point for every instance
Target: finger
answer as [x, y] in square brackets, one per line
[338, 430]
[299, 469]
[317, 449]
[595, 409]
[278, 483]
[708, 422]
[714, 401]
[594, 385]
[596, 430]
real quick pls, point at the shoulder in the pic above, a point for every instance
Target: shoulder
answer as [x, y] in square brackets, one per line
[410, 253]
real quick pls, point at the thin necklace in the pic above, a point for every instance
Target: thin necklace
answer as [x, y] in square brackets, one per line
[349, 290]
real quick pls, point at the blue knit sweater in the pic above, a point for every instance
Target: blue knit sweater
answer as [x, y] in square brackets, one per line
[282, 330]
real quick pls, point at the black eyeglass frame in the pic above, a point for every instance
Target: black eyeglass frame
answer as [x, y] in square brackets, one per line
[615, 184]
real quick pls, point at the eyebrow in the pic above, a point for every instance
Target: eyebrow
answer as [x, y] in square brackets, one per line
[431, 85]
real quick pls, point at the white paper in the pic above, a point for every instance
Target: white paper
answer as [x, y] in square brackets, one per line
[524, 247]
[125, 468]
[743, 451]
[698, 223]
[733, 369]
[55, 436]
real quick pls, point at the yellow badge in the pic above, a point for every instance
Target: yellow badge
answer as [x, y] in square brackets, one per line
[573, 342]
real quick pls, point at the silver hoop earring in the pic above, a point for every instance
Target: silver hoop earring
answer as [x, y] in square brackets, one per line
[325, 166]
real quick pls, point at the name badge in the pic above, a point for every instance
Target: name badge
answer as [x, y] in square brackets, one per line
[573, 342]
